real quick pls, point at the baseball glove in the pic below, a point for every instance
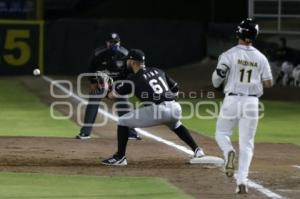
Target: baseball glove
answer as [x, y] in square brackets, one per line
[104, 80]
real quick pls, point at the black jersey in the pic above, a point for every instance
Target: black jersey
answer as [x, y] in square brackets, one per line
[150, 85]
[110, 59]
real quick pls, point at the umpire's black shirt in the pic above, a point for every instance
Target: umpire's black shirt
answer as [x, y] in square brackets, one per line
[109, 59]
[150, 85]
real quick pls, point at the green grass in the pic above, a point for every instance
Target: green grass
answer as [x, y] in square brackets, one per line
[40, 186]
[22, 114]
[279, 125]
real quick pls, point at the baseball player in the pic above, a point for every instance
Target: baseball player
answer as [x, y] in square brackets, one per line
[244, 71]
[287, 71]
[158, 92]
[296, 76]
[109, 59]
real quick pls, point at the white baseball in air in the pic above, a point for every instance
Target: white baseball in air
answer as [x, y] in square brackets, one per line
[36, 72]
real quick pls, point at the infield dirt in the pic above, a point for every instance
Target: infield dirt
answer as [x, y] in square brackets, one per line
[272, 164]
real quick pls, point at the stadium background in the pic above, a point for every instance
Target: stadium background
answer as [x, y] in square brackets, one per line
[183, 37]
[72, 29]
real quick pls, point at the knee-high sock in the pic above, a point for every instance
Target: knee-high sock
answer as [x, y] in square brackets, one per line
[123, 133]
[185, 135]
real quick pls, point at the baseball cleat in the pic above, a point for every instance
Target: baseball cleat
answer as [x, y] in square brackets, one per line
[229, 166]
[241, 189]
[82, 137]
[198, 153]
[133, 135]
[115, 161]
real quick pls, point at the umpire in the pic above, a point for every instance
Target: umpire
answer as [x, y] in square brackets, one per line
[107, 58]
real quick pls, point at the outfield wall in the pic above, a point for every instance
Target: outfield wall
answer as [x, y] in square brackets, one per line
[64, 46]
[68, 43]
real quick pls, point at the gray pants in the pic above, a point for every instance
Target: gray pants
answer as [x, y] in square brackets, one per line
[168, 113]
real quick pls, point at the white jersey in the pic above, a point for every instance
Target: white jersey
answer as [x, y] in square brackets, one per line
[287, 68]
[246, 68]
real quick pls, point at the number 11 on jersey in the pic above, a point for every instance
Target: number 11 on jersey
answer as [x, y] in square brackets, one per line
[248, 75]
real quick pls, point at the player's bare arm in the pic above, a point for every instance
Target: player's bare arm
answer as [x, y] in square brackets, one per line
[268, 83]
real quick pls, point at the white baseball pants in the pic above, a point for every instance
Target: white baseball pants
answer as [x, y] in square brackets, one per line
[241, 111]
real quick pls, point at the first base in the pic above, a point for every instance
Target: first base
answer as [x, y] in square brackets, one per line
[208, 161]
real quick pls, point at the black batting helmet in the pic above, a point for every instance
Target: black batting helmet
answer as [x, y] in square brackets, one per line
[247, 29]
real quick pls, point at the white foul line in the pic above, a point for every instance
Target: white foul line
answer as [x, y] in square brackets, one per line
[251, 183]
[296, 166]
[264, 190]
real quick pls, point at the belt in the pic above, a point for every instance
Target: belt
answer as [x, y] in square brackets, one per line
[235, 94]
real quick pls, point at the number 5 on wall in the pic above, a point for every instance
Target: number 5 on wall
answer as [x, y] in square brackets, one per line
[15, 41]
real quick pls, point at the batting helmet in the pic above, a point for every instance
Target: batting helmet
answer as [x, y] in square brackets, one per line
[247, 29]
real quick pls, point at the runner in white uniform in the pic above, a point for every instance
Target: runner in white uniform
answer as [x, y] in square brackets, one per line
[243, 71]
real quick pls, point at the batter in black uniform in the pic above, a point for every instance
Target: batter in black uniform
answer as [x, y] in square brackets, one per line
[110, 59]
[158, 92]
